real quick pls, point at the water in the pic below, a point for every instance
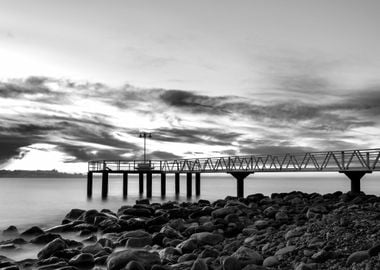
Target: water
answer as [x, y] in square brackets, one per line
[44, 202]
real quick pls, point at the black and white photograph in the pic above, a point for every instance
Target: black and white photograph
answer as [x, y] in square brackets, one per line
[189, 134]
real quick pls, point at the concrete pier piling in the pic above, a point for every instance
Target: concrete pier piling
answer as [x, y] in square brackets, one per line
[197, 184]
[125, 185]
[89, 184]
[104, 184]
[163, 184]
[240, 176]
[149, 185]
[141, 183]
[189, 187]
[176, 183]
[355, 177]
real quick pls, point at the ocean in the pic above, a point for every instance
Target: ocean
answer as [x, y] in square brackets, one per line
[44, 202]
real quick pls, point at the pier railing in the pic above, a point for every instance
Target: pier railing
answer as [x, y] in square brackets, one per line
[347, 160]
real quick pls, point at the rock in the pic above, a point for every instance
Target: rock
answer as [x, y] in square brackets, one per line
[322, 256]
[8, 246]
[374, 251]
[222, 212]
[357, 257]
[74, 214]
[120, 259]
[170, 232]
[139, 242]
[199, 265]
[271, 261]
[208, 252]
[143, 201]
[303, 266]
[33, 231]
[50, 248]
[231, 263]
[247, 254]
[83, 260]
[285, 250]
[187, 257]
[44, 238]
[93, 249]
[262, 224]
[281, 216]
[207, 238]
[188, 245]
[11, 231]
[90, 239]
[169, 255]
[294, 233]
[134, 265]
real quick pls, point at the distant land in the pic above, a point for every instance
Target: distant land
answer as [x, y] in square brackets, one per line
[37, 174]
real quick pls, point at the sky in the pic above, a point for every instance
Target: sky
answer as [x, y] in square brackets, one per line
[80, 79]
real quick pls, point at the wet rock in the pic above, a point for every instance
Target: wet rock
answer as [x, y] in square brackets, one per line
[139, 242]
[374, 251]
[207, 238]
[50, 248]
[271, 261]
[188, 245]
[169, 255]
[357, 257]
[74, 214]
[44, 238]
[248, 255]
[83, 260]
[93, 249]
[322, 256]
[187, 257]
[120, 259]
[33, 231]
[208, 252]
[222, 212]
[90, 239]
[199, 265]
[285, 250]
[231, 263]
[11, 231]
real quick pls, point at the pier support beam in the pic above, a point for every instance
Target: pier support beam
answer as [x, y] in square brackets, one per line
[189, 186]
[141, 183]
[149, 185]
[355, 177]
[240, 176]
[176, 183]
[104, 184]
[89, 184]
[125, 185]
[197, 184]
[163, 184]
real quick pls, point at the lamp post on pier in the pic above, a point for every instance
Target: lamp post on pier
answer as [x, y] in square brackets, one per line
[145, 135]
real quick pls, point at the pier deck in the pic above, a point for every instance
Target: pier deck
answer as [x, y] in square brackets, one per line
[353, 163]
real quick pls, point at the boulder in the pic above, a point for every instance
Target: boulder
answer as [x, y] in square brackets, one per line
[231, 263]
[50, 248]
[93, 249]
[45, 238]
[11, 231]
[139, 242]
[33, 231]
[120, 259]
[207, 238]
[83, 260]
[248, 255]
[134, 265]
[74, 214]
[357, 257]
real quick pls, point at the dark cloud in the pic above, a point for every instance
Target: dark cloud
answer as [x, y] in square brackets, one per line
[163, 155]
[196, 136]
[11, 147]
[273, 149]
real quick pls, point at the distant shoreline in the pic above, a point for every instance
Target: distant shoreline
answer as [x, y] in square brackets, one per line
[37, 174]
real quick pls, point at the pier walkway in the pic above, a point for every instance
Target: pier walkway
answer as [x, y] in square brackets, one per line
[353, 163]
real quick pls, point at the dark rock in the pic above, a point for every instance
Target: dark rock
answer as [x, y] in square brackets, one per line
[248, 255]
[357, 257]
[322, 256]
[231, 263]
[208, 252]
[101, 260]
[271, 261]
[285, 250]
[374, 251]
[120, 259]
[44, 238]
[50, 248]
[207, 238]
[74, 214]
[199, 265]
[187, 257]
[188, 245]
[169, 255]
[83, 260]
[134, 265]
[11, 231]
[143, 201]
[33, 231]
[92, 249]
[66, 254]
[139, 242]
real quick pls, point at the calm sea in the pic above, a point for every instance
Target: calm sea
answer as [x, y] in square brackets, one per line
[44, 202]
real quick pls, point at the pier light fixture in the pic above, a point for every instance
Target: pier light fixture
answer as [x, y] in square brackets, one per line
[145, 135]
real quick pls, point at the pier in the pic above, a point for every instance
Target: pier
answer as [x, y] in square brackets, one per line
[353, 163]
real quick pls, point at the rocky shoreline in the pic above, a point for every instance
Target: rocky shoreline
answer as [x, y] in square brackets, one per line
[284, 231]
